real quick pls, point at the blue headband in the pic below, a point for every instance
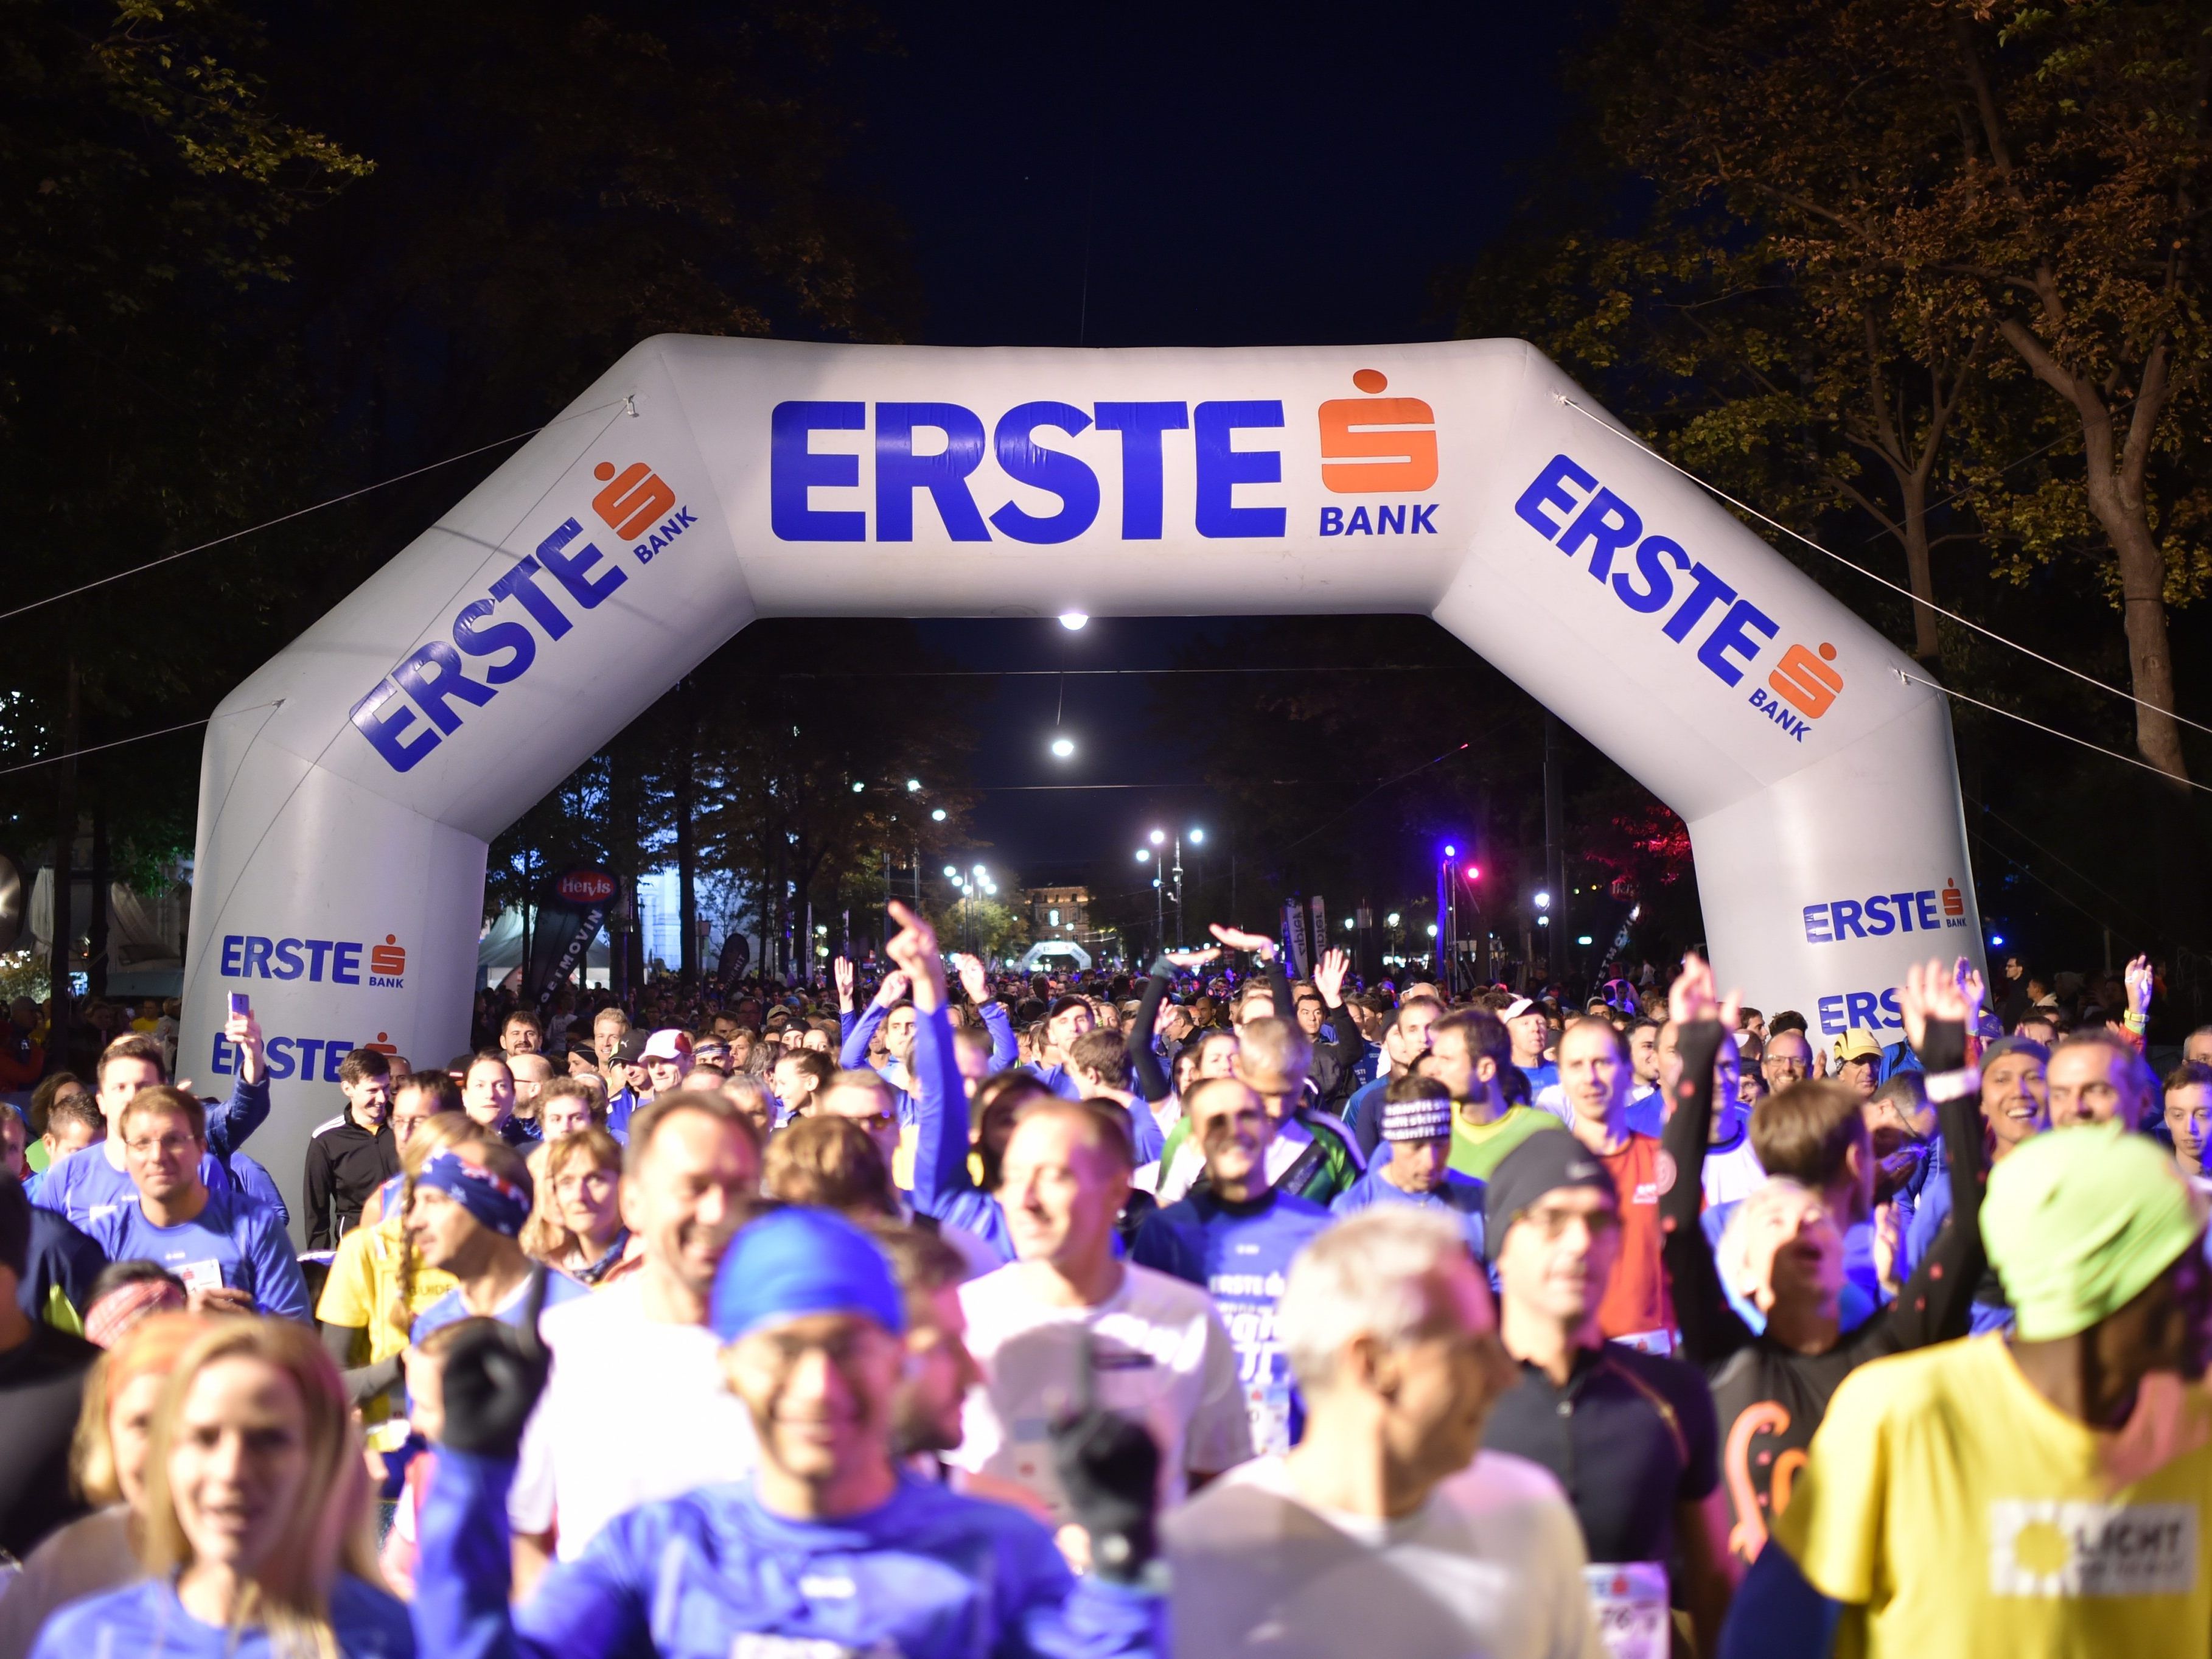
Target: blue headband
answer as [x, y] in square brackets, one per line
[495, 1201]
[802, 1261]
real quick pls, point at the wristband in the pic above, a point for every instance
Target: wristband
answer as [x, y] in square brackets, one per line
[2136, 1023]
[1944, 1087]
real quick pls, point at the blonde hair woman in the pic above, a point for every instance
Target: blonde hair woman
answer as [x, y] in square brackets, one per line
[107, 1463]
[255, 1527]
[575, 1222]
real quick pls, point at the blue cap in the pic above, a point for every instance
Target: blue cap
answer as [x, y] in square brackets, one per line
[800, 1262]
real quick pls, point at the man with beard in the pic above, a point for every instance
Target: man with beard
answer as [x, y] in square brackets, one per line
[1235, 1234]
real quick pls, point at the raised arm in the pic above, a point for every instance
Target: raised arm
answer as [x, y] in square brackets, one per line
[247, 1108]
[1937, 1304]
[1005, 1050]
[1152, 1081]
[1350, 1046]
[855, 1053]
[941, 1153]
[1711, 1330]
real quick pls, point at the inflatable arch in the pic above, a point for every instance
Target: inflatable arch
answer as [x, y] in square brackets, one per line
[350, 785]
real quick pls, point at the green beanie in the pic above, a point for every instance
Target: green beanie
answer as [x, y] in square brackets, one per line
[2080, 1222]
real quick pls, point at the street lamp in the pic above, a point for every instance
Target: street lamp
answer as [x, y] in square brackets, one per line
[913, 786]
[1064, 747]
[937, 816]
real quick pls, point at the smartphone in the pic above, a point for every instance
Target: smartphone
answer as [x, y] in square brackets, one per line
[240, 1004]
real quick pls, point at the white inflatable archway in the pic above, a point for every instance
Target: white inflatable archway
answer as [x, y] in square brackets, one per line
[351, 784]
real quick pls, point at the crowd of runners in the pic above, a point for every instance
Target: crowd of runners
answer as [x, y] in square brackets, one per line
[1203, 1311]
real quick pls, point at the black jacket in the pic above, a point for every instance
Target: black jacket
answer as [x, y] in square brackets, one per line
[345, 1164]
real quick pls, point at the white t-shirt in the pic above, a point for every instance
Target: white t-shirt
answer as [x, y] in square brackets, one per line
[1491, 1565]
[1731, 1175]
[1158, 1353]
[635, 1411]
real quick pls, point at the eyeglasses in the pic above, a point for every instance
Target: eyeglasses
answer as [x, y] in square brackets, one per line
[1552, 1223]
[165, 1145]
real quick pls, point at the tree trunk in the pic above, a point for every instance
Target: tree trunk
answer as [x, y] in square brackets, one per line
[687, 859]
[2142, 598]
[57, 964]
[96, 955]
[1920, 572]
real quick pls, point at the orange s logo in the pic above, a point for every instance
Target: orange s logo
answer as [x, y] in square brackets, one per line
[1377, 446]
[632, 501]
[388, 959]
[1806, 682]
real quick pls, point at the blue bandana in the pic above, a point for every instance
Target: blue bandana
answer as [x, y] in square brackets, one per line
[802, 1261]
[495, 1201]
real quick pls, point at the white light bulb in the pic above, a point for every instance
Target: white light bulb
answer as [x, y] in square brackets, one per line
[1074, 621]
[1063, 747]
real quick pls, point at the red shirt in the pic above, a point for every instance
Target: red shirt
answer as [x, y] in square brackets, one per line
[1636, 1300]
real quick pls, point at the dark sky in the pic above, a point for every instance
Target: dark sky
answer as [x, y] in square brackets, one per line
[1136, 175]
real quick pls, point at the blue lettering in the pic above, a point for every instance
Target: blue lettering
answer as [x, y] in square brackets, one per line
[1708, 590]
[335, 1050]
[219, 1061]
[1142, 489]
[899, 472]
[569, 569]
[433, 674]
[278, 1056]
[1390, 520]
[1026, 461]
[257, 959]
[1547, 491]
[287, 958]
[1816, 925]
[233, 949]
[1607, 523]
[345, 964]
[1924, 904]
[520, 585]
[1858, 1007]
[794, 468]
[1903, 903]
[1832, 1015]
[1734, 635]
[477, 642]
[387, 733]
[1659, 585]
[1425, 520]
[1356, 525]
[1879, 922]
[1332, 521]
[1222, 467]
[316, 950]
[1845, 915]
[309, 1048]
[1896, 1015]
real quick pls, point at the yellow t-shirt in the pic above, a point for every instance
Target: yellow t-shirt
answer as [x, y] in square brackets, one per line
[364, 1277]
[1479, 1149]
[1956, 1512]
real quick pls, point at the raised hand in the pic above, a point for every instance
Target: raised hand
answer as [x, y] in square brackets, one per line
[1237, 940]
[1329, 977]
[1973, 988]
[914, 948]
[894, 985]
[842, 971]
[2141, 982]
[245, 1030]
[972, 979]
[1190, 959]
[1692, 997]
[1931, 991]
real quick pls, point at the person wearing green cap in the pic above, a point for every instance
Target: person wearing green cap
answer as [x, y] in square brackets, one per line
[2041, 1494]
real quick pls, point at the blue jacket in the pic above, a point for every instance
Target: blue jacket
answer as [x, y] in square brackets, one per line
[85, 1186]
[929, 1574]
[942, 1186]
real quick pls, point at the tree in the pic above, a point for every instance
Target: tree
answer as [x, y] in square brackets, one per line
[1984, 170]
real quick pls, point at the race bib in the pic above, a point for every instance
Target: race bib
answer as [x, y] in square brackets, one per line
[201, 1275]
[1629, 1599]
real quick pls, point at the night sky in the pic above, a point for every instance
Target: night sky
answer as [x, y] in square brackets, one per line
[1143, 176]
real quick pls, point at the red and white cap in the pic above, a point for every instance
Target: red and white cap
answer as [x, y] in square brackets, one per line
[670, 1044]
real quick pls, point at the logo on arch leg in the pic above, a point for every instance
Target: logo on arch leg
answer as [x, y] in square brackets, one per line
[633, 500]
[1806, 682]
[1377, 446]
